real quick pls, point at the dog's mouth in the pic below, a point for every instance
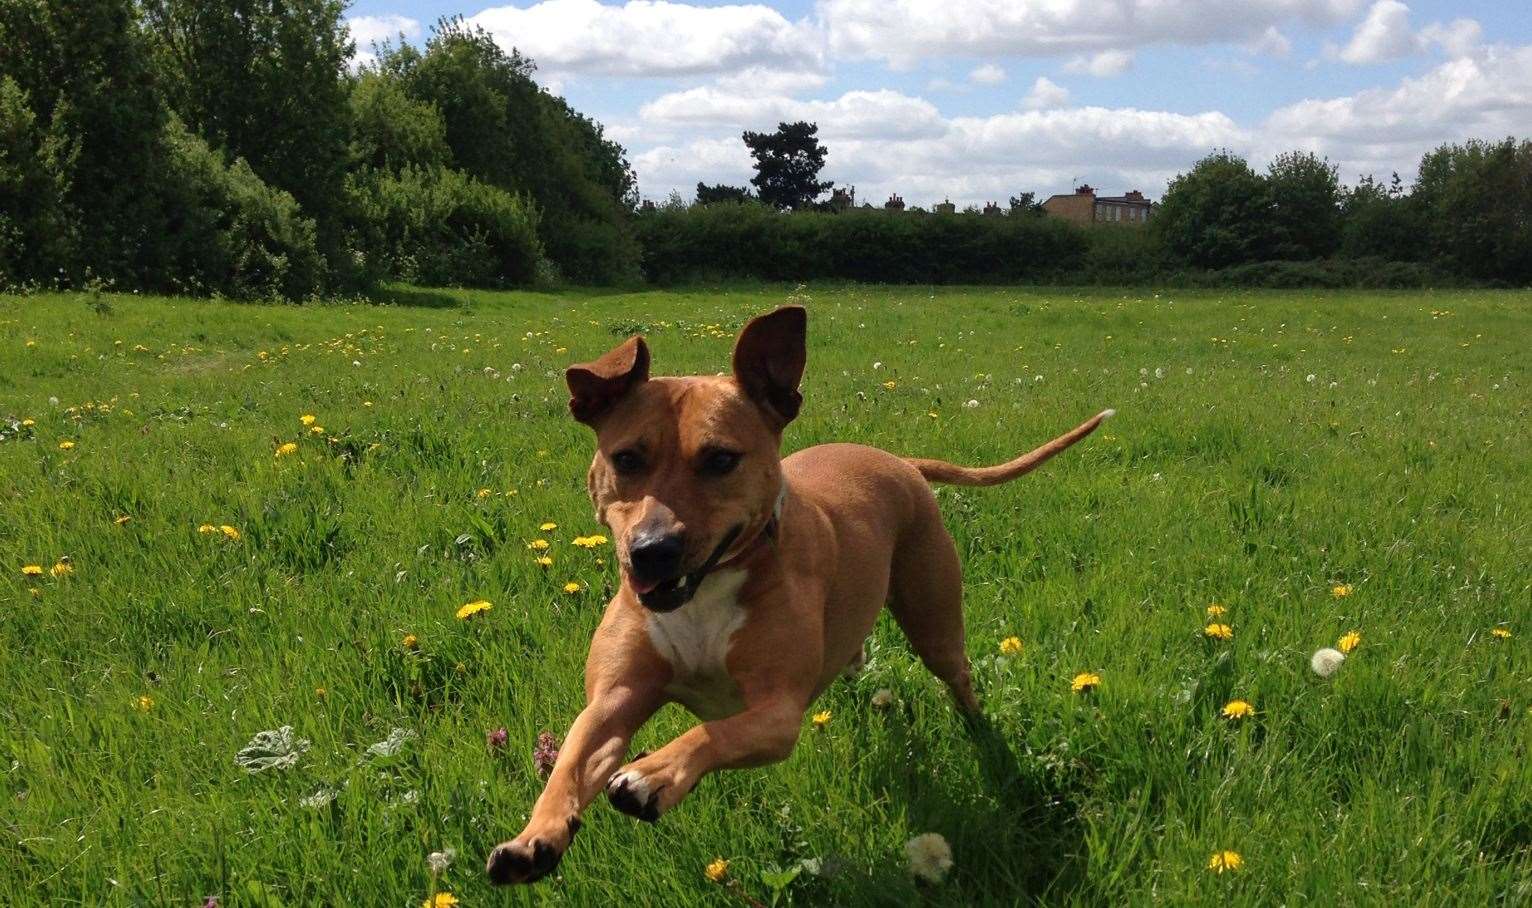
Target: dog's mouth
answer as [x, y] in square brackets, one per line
[671, 593]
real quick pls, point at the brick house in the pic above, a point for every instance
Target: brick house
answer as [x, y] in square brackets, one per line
[1083, 206]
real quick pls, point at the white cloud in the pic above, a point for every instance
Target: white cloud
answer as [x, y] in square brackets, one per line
[905, 32]
[987, 74]
[653, 37]
[1046, 94]
[1103, 65]
[369, 30]
[861, 115]
[1271, 43]
[1384, 35]
[1486, 95]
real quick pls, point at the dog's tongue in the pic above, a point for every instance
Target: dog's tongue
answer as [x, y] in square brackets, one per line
[642, 586]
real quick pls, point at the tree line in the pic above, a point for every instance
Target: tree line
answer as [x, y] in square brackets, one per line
[227, 146]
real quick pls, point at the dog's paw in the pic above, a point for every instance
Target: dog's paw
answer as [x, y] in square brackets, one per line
[635, 795]
[526, 860]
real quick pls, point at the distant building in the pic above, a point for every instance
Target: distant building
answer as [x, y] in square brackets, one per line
[1083, 206]
[895, 202]
[944, 207]
[841, 199]
[992, 209]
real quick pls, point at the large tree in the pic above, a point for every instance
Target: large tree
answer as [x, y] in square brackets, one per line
[787, 165]
[266, 81]
[1217, 214]
[1306, 199]
[1477, 202]
[720, 192]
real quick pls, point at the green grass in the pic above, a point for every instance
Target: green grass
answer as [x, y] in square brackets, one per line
[1269, 447]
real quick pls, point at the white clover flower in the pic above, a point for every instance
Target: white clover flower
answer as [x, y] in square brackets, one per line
[971, 404]
[1309, 378]
[877, 365]
[930, 857]
[439, 861]
[1326, 661]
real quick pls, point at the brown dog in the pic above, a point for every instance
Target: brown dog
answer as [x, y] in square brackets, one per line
[749, 581]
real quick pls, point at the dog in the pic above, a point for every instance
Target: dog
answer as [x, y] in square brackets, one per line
[749, 581]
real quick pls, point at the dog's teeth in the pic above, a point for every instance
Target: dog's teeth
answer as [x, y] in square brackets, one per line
[681, 584]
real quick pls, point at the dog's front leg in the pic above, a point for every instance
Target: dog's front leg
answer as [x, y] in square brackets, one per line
[761, 734]
[594, 748]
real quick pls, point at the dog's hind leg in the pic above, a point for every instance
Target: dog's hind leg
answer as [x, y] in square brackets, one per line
[926, 599]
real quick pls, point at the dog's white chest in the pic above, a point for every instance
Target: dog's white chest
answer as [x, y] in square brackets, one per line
[694, 639]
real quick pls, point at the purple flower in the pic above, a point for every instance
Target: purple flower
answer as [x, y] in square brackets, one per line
[210, 902]
[545, 754]
[496, 739]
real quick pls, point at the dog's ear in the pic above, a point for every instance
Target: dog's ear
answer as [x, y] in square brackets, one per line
[595, 387]
[768, 361]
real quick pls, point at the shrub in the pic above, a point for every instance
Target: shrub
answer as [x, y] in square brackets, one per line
[442, 227]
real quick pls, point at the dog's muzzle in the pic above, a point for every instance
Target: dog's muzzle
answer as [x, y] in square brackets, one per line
[672, 593]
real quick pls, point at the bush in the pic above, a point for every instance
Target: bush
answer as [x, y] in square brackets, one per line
[36, 231]
[231, 233]
[723, 240]
[444, 228]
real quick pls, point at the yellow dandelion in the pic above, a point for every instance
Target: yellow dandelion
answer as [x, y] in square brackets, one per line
[1340, 590]
[1237, 709]
[31, 570]
[320, 692]
[483, 493]
[572, 587]
[1085, 682]
[1010, 646]
[440, 900]
[66, 445]
[410, 641]
[143, 703]
[548, 526]
[1502, 633]
[1219, 631]
[822, 718]
[1217, 611]
[717, 871]
[36, 593]
[287, 449]
[62, 569]
[316, 430]
[473, 608]
[1225, 860]
[229, 532]
[1349, 642]
[890, 384]
[538, 545]
[207, 529]
[544, 561]
[308, 419]
[28, 423]
[122, 519]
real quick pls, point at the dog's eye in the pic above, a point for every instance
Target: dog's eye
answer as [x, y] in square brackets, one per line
[628, 462]
[720, 463]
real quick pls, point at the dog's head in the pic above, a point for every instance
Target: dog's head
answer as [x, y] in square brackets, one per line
[687, 470]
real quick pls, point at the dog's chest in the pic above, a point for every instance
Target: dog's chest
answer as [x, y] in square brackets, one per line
[694, 639]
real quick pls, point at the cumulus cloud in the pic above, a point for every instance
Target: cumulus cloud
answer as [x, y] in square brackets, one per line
[988, 74]
[369, 30]
[1103, 65]
[1385, 35]
[1485, 95]
[864, 115]
[904, 32]
[654, 37]
[1046, 94]
[1271, 43]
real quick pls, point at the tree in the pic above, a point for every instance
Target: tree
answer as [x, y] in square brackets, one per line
[1026, 204]
[1306, 197]
[787, 165]
[266, 81]
[709, 195]
[1381, 221]
[1217, 214]
[391, 130]
[1476, 201]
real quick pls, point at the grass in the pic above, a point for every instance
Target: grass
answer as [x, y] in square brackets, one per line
[1269, 447]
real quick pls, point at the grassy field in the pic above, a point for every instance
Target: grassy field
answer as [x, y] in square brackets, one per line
[1316, 464]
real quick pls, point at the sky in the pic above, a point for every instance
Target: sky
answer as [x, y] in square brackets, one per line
[979, 100]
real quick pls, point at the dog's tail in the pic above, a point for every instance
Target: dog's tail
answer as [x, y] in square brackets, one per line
[942, 471]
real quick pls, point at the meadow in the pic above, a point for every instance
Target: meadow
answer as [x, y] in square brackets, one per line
[1291, 467]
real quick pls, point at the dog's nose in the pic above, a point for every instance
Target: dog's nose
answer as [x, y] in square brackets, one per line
[656, 557]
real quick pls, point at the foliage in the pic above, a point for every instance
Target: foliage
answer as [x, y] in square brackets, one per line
[732, 240]
[787, 165]
[391, 131]
[1382, 221]
[265, 80]
[1476, 200]
[710, 195]
[1305, 213]
[1217, 214]
[444, 228]
[36, 233]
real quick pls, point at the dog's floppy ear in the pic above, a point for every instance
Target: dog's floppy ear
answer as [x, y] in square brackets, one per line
[595, 387]
[768, 361]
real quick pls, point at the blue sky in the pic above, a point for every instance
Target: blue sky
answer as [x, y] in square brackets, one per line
[975, 100]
